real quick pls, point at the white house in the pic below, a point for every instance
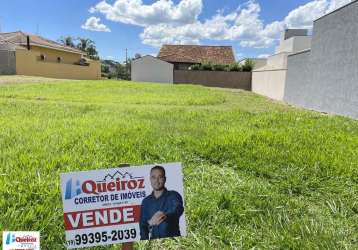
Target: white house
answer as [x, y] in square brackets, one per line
[151, 69]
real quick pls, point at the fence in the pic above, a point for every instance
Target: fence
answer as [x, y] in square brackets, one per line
[7, 62]
[223, 79]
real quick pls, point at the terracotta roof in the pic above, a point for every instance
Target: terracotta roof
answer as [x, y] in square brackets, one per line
[20, 38]
[197, 54]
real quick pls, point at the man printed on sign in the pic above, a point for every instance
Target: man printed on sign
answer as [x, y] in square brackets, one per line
[161, 210]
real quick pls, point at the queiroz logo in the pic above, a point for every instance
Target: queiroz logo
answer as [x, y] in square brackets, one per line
[21, 240]
[110, 183]
[10, 238]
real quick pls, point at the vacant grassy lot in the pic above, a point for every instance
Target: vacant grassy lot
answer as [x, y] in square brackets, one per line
[258, 174]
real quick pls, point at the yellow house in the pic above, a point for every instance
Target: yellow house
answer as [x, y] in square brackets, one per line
[37, 56]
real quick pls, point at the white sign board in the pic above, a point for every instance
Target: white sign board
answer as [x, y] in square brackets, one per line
[111, 206]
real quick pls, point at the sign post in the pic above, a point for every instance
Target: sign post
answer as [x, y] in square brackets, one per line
[127, 245]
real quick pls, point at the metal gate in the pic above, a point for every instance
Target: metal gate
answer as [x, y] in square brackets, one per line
[7, 62]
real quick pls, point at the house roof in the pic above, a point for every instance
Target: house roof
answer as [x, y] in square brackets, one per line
[151, 57]
[20, 38]
[197, 54]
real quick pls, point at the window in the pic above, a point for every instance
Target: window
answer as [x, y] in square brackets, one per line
[42, 57]
[59, 59]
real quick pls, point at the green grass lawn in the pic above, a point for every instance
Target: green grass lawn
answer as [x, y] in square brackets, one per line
[258, 174]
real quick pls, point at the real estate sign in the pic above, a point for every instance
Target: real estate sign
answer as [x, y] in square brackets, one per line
[119, 205]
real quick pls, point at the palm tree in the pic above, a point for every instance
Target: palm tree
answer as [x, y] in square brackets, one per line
[88, 46]
[84, 44]
[92, 52]
[68, 41]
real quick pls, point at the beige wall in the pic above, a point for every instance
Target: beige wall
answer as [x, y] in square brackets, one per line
[270, 80]
[28, 63]
[294, 44]
[270, 83]
[51, 55]
[277, 61]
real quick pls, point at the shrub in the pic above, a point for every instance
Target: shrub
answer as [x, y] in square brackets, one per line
[104, 68]
[220, 67]
[207, 66]
[248, 65]
[195, 67]
[235, 67]
[223, 67]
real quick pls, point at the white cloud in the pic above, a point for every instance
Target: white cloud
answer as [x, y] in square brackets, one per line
[263, 56]
[156, 35]
[243, 26]
[335, 4]
[303, 16]
[94, 24]
[160, 12]
[167, 22]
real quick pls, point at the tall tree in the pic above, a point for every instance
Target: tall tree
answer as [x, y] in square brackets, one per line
[92, 52]
[84, 43]
[68, 41]
[88, 46]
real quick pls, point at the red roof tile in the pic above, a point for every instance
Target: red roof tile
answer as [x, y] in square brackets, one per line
[197, 54]
[20, 38]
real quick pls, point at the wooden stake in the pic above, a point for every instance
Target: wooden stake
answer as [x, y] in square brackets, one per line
[127, 245]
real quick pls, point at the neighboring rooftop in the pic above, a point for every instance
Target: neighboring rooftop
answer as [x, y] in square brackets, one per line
[288, 33]
[20, 38]
[197, 54]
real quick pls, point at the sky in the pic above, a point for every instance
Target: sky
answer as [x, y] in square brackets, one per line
[251, 27]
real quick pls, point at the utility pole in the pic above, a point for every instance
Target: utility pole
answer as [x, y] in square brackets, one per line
[127, 63]
[126, 55]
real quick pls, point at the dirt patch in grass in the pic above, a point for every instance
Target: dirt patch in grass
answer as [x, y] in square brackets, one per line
[18, 79]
